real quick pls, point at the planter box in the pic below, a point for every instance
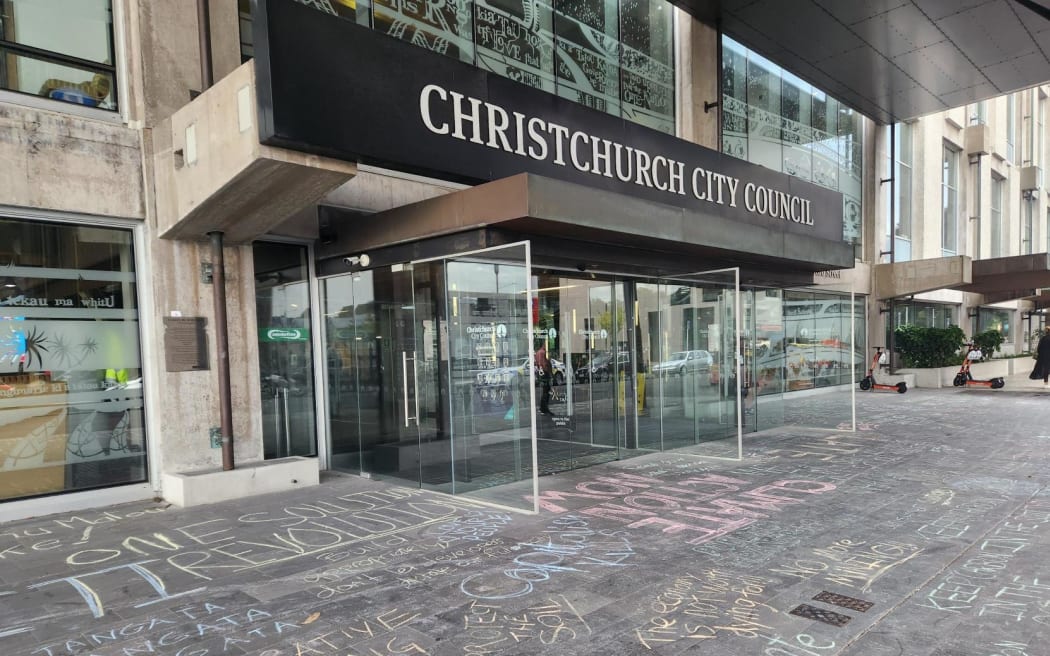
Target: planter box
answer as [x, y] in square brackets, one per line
[943, 376]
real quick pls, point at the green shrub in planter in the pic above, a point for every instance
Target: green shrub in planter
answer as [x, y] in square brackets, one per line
[929, 347]
[989, 342]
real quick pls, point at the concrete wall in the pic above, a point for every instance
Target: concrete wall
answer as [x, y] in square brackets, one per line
[187, 402]
[166, 49]
[54, 161]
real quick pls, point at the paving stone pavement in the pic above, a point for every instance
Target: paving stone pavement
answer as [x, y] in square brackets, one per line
[923, 533]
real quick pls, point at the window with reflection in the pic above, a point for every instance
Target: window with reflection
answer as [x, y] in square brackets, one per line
[59, 49]
[819, 346]
[926, 315]
[773, 118]
[71, 411]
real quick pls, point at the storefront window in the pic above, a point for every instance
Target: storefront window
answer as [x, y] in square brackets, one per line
[59, 49]
[616, 56]
[71, 411]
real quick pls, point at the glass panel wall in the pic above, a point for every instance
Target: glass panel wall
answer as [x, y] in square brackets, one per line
[765, 362]
[428, 376]
[282, 302]
[445, 392]
[490, 375]
[71, 410]
[582, 323]
[772, 118]
[616, 56]
[59, 49]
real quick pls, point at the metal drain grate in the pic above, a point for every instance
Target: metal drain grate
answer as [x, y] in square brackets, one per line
[821, 615]
[844, 601]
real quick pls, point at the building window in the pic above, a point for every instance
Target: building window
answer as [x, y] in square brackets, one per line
[59, 49]
[616, 56]
[1027, 225]
[772, 118]
[979, 113]
[244, 16]
[950, 201]
[71, 412]
[902, 174]
[1040, 133]
[925, 315]
[994, 319]
[997, 217]
[1011, 127]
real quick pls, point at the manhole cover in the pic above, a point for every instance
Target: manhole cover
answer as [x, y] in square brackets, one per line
[844, 601]
[821, 615]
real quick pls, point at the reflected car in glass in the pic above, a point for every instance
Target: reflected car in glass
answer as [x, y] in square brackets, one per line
[601, 368]
[684, 362]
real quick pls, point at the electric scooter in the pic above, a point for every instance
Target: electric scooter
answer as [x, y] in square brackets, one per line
[869, 383]
[964, 378]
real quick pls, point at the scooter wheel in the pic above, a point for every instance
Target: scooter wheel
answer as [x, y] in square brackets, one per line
[865, 384]
[998, 383]
[902, 387]
[959, 381]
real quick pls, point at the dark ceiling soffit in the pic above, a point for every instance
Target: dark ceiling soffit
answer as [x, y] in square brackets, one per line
[543, 206]
[893, 61]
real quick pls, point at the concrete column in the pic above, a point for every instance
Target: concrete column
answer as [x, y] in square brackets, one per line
[698, 72]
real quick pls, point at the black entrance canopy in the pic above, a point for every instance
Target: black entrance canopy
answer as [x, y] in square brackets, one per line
[578, 227]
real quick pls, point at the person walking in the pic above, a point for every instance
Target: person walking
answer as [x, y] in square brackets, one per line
[1042, 359]
[543, 370]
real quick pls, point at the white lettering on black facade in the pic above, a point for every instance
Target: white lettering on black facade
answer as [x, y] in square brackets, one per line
[485, 123]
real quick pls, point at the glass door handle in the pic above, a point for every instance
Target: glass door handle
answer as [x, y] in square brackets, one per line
[415, 389]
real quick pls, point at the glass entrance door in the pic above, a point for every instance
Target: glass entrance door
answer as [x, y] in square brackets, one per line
[428, 374]
[282, 301]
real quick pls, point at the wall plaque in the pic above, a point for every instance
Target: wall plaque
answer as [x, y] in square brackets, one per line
[185, 344]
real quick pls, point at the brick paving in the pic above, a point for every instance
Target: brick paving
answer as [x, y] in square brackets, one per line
[925, 533]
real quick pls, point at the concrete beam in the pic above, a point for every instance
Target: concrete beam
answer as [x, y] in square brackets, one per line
[917, 276]
[214, 175]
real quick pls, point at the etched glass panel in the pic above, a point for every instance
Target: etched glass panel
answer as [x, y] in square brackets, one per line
[825, 146]
[647, 63]
[515, 39]
[763, 112]
[734, 100]
[796, 129]
[588, 53]
[443, 27]
[647, 60]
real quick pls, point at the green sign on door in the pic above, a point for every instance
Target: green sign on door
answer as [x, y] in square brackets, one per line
[284, 335]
